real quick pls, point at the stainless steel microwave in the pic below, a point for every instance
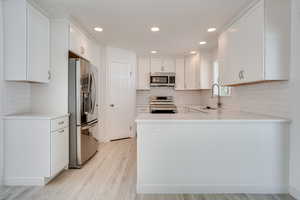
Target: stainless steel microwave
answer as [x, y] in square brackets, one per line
[162, 80]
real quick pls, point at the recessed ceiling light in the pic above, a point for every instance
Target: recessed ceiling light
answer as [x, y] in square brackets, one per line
[203, 42]
[98, 29]
[153, 52]
[193, 52]
[211, 30]
[155, 29]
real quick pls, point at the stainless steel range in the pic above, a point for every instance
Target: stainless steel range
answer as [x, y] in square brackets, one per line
[162, 104]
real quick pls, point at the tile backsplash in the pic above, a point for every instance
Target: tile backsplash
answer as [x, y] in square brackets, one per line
[266, 98]
[181, 97]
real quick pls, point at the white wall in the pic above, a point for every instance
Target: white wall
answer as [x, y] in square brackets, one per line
[101, 94]
[294, 102]
[53, 97]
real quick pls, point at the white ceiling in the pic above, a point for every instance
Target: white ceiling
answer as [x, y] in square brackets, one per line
[126, 23]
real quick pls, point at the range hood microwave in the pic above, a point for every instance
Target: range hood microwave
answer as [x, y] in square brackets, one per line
[162, 79]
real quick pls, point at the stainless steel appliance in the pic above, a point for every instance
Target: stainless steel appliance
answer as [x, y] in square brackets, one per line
[162, 79]
[83, 110]
[162, 104]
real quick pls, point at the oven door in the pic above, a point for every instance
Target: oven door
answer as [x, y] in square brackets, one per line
[156, 81]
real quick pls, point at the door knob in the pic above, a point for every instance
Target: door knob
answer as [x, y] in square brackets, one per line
[112, 105]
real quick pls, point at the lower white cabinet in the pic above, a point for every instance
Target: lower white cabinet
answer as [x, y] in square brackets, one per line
[36, 148]
[59, 155]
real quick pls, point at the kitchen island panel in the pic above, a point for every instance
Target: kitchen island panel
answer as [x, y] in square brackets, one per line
[212, 157]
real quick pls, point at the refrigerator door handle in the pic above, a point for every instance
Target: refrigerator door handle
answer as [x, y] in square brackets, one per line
[78, 92]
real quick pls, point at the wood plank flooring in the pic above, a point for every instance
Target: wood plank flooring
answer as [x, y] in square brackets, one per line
[110, 175]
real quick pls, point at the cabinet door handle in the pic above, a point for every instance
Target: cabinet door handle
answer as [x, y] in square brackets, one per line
[61, 123]
[61, 131]
[242, 75]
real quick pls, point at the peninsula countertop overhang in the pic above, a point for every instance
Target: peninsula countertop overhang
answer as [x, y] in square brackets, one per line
[209, 116]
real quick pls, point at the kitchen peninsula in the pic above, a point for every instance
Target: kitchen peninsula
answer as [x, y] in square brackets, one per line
[212, 152]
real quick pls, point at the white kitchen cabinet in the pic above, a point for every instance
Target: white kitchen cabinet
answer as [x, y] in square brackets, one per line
[143, 70]
[59, 145]
[192, 72]
[168, 64]
[180, 74]
[80, 44]
[256, 47]
[162, 64]
[156, 64]
[26, 43]
[206, 70]
[36, 148]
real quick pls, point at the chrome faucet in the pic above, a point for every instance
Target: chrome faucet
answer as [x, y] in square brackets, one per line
[219, 93]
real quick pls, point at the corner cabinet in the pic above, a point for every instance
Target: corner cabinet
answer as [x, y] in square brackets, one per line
[256, 47]
[36, 148]
[26, 43]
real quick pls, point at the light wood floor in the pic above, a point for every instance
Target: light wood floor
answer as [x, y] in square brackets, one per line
[110, 175]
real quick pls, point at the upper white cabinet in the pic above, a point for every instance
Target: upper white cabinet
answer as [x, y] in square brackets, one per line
[143, 70]
[180, 74]
[26, 43]
[188, 71]
[162, 64]
[256, 47]
[206, 70]
[80, 43]
[192, 72]
[168, 64]
[156, 64]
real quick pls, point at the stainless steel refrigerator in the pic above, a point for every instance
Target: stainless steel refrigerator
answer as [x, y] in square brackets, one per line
[83, 111]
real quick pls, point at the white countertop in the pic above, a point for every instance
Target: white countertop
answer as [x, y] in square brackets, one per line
[208, 115]
[28, 116]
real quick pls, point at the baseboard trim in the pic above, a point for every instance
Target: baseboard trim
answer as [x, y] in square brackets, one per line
[294, 192]
[24, 181]
[209, 189]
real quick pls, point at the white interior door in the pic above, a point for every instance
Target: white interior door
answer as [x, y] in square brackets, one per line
[120, 99]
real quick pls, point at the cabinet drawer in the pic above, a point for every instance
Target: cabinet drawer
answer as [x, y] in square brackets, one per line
[59, 150]
[59, 123]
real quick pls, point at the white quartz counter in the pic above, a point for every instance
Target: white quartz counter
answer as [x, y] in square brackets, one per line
[208, 115]
[29, 116]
